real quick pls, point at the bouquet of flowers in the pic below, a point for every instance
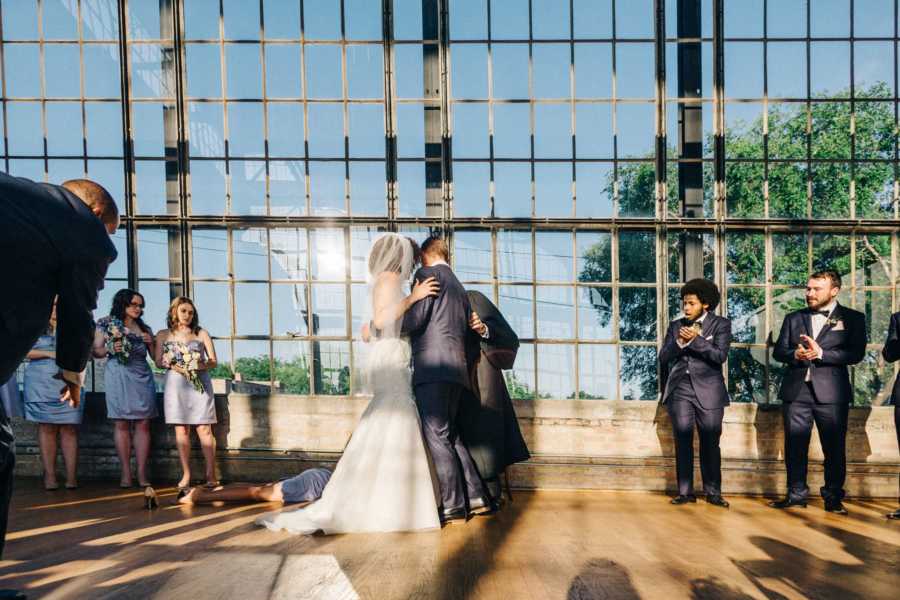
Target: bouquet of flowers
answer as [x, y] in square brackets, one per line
[177, 354]
[117, 333]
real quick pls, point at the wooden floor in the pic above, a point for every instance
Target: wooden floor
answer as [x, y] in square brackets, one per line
[98, 542]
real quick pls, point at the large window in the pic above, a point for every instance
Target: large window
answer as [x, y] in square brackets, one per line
[585, 157]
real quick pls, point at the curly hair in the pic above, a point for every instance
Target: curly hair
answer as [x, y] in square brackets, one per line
[121, 301]
[705, 290]
[172, 315]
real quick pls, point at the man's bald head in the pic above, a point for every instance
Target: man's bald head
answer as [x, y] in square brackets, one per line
[97, 199]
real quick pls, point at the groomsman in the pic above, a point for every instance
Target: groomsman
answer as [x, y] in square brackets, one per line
[693, 353]
[891, 352]
[818, 344]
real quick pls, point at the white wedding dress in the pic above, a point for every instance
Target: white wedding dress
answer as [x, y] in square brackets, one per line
[384, 480]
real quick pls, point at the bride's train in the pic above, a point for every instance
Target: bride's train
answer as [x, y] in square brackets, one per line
[383, 481]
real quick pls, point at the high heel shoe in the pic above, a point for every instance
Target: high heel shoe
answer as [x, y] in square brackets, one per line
[151, 500]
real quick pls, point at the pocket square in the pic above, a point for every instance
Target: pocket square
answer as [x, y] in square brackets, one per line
[839, 326]
[709, 337]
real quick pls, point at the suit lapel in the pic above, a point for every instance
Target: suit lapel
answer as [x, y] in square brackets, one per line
[832, 318]
[807, 321]
[707, 324]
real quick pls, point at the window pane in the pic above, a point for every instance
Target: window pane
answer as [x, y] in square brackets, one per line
[331, 368]
[283, 71]
[285, 129]
[556, 370]
[637, 256]
[512, 190]
[471, 189]
[517, 304]
[24, 80]
[555, 312]
[472, 258]
[365, 71]
[323, 71]
[326, 185]
[514, 255]
[597, 373]
[520, 380]
[468, 70]
[595, 313]
[638, 368]
[368, 195]
[637, 314]
[207, 187]
[553, 190]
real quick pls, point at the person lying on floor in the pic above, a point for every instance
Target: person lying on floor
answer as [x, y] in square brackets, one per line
[305, 487]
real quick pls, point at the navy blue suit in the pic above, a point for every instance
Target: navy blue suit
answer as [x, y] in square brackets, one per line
[891, 353]
[443, 346]
[825, 399]
[50, 244]
[694, 393]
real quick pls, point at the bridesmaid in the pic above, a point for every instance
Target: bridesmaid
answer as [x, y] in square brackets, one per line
[43, 406]
[183, 404]
[130, 389]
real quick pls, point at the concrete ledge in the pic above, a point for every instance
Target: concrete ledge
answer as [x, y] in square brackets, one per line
[577, 444]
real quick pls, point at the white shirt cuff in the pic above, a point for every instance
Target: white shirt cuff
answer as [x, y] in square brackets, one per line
[487, 333]
[683, 344]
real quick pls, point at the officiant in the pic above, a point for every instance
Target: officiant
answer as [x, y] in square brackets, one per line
[487, 419]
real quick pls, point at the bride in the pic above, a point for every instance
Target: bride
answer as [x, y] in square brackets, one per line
[384, 480]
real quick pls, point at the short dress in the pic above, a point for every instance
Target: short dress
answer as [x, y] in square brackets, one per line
[182, 403]
[130, 388]
[43, 389]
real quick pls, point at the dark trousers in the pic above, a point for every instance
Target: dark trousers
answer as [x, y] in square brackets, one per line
[831, 422]
[897, 422]
[686, 413]
[7, 463]
[438, 405]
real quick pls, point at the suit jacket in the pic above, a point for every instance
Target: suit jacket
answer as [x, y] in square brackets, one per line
[438, 328]
[891, 352]
[487, 419]
[50, 244]
[842, 345]
[701, 360]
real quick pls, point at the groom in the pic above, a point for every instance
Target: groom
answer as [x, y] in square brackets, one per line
[438, 327]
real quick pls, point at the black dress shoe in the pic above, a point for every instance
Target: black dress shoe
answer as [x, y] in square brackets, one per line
[835, 506]
[681, 499]
[453, 516]
[787, 503]
[717, 500]
[894, 516]
[12, 595]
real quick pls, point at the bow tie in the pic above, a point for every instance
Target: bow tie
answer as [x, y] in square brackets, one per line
[824, 313]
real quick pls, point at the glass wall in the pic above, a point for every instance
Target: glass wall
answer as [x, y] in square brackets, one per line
[585, 157]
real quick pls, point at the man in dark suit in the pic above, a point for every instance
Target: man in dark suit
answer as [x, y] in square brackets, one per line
[54, 241]
[442, 343]
[487, 419]
[818, 344]
[692, 355]
[891, 352]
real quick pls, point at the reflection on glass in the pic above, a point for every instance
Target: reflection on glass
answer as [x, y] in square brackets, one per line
[745, 257]
[251, 307]
[287, 188]
[245, 129]
[209, 251]
[291, 363]
[331, 368]
[248, 187]
[597, 373]
[152, 250]
[328, 312]
[747, 311]
[637, 256]
[326, 184]
[207, 187]
[328, 254]
[472, 255]
[872, 380]
[553, 256]
[251, 257]
[213, 302]
[514, 255]
[637, 314]
[639, 373]
[520, 380]
[289, 256]
[556, 371]
[747, 375]
[516, 302]
[594, 192]
[206, 129]
[555, 312]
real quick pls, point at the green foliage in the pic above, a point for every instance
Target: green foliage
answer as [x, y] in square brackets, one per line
[829, 125]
